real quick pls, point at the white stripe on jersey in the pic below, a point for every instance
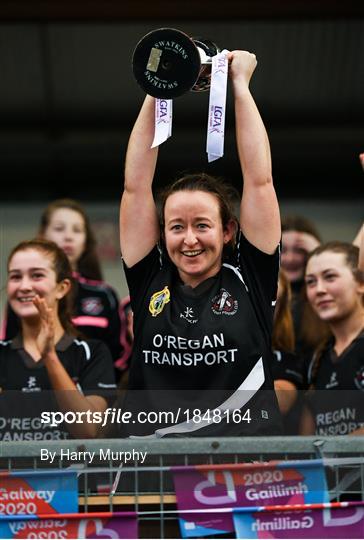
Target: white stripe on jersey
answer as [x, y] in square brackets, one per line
[236, 271]
[85, 346]
[248, 388]
[5, 343]
[310, 367]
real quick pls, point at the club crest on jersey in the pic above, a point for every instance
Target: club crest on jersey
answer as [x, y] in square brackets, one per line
[92, 306]
[359, 378]
[158, 301]
[224, 304]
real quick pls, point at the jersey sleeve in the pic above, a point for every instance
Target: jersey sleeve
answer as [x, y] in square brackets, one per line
[289, 367]
[260, 270]
[139, 276]
[97, 373]
[260, 274]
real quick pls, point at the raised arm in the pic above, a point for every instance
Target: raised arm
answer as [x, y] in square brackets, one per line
[139, 228]
[359, 241]
[259, 211]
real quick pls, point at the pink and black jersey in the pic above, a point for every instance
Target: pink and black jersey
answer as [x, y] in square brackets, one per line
[95, 314]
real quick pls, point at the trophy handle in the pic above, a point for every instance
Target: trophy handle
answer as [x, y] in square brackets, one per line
[207, 49]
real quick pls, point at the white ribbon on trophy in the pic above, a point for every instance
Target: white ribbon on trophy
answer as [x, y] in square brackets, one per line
[163, 121]
[217, 106]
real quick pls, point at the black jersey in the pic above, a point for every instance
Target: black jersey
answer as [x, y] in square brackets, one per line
[202, 349]
[288, 366]
[95, 310]
[337, 401]
[26, 391]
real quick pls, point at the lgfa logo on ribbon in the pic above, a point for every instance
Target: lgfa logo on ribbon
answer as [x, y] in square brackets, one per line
[162, 121]
[216, 115]
[217, 107]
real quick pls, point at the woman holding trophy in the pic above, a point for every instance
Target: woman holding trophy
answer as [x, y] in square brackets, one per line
[202, 285]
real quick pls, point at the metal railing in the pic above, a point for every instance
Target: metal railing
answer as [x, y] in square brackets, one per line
[135, 475]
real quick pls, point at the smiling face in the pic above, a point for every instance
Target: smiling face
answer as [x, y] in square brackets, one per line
[31, 273]
[293, 257]
[67, 229]
[331, 287]
[194, 234]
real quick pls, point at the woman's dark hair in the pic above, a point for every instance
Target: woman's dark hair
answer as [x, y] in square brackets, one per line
[351, 254]
[300, 224]
[283, 337]
[88, 264]
[62, 269]
[227, 196]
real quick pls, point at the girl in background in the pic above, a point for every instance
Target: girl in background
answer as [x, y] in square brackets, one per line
[299, 238]
[335, 290]
[45, 368]
[95, 310]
